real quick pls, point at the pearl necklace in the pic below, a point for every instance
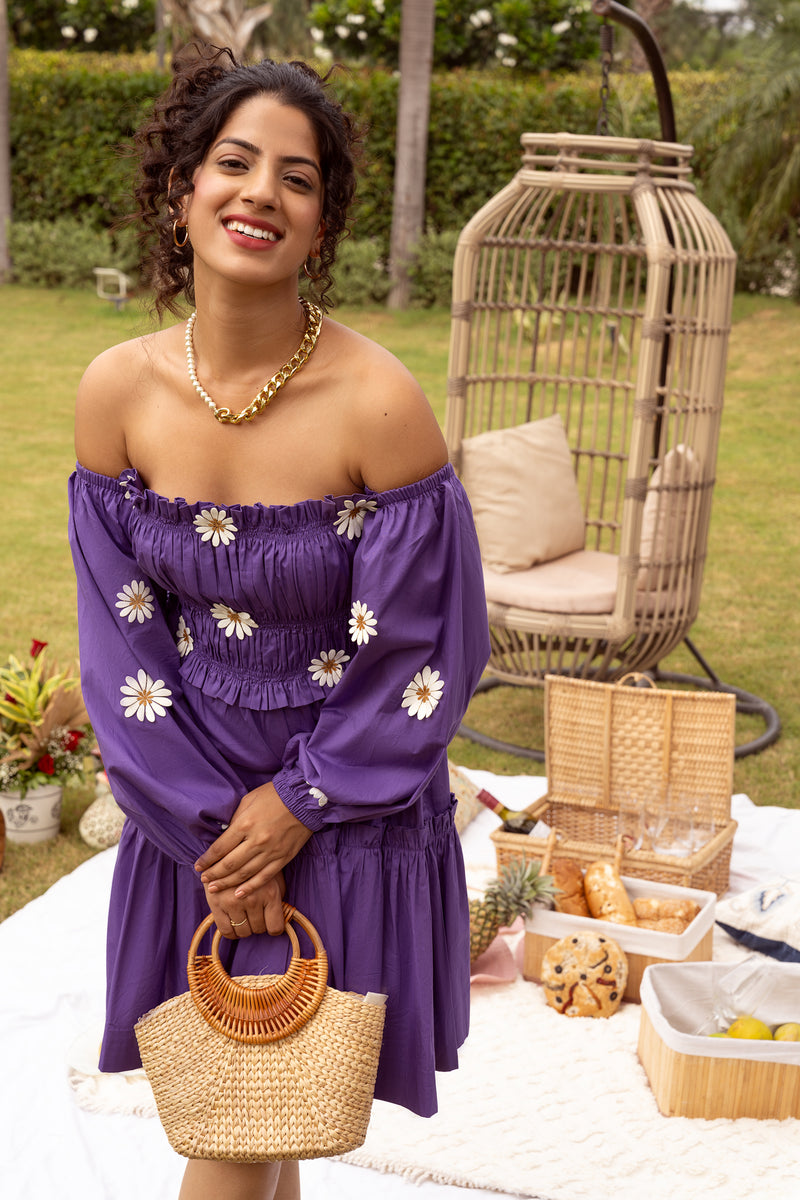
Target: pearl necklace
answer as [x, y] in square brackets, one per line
[282, 376]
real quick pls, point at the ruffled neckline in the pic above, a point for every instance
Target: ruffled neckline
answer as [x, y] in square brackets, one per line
[132, 484]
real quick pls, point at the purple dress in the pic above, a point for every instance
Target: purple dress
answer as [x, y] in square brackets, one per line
[330, 646]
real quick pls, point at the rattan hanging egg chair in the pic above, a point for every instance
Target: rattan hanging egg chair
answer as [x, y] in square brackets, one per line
[590, 321]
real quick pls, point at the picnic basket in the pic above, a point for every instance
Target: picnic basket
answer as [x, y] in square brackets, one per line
[602, 739]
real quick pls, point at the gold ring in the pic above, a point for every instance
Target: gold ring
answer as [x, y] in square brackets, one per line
[235, 923]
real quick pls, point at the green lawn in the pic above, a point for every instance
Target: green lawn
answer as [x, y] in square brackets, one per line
[749, 624]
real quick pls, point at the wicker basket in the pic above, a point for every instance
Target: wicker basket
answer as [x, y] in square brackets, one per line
[602, 739]
[694, 1076]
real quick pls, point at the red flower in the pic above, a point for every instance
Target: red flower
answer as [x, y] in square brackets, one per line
[72, 739]
[37, 648]
[46, 764]
[10, 699]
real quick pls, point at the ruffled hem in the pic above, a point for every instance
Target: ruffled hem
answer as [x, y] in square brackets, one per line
[247, 689]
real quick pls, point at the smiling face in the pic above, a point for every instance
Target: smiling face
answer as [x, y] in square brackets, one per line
[255, 210]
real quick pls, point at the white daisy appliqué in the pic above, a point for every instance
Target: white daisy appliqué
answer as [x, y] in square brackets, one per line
[363, 625]
[240, 623]
[215, 526]
[184, 638]
[423, 693]
[135, 601]
[145, 697]
[327, 669]
[351, 517]
[319, 796]
[123, 483]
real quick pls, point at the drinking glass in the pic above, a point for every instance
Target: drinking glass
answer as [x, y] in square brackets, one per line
[701, 813]
[676, 832]
[655, 817]
[630, 820]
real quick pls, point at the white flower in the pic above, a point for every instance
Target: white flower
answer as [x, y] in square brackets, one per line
[230, 620]
[327, 669]
[355, 18]
[423, 693]
[341, 31]
[379, 6]
[145, 697]
[319, 796]
[214, 525]
[479, 18]
[89, 35]
[508, 62]
[123, 483]
[351, 517]
[362, 35]
[130, 4]
[363, 625]
[68, 32]
[560, 27]
[506, 39]
[184, 638]
[135, 601]
[317, 35]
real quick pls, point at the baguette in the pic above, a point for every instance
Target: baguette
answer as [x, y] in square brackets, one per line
[606, 895]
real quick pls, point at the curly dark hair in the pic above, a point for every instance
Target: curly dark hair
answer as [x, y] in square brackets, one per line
[207, 86]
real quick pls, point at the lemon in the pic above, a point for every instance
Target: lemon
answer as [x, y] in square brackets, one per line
[750, 1027]
[790, 1032]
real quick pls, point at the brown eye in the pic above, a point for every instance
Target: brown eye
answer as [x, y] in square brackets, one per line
[558, 970]
[607, 969]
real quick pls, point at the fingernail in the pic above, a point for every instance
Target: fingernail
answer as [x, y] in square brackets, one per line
[213, 887]
[239, 893]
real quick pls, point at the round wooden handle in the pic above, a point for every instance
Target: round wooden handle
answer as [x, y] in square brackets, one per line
[258, 1012]
[637, 677]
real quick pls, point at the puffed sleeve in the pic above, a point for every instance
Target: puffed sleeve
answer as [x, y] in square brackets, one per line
[418, 642]
[165, 776]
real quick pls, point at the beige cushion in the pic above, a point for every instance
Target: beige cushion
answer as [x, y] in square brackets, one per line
[583, 582]
[666, 514]
[522, 487]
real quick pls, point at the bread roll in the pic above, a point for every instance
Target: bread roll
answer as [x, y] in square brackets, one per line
[660, 909]
[584, 975]
[568, 878]
[606, 895]
[646, 908]
[665, 925]
[685, 910]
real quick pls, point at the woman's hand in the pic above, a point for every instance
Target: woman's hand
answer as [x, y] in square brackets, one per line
[262, 837]
[261, 912]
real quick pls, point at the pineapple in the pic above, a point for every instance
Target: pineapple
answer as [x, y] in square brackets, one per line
[512, 895]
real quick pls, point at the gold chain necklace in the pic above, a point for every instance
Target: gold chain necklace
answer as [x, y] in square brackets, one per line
[282, 376]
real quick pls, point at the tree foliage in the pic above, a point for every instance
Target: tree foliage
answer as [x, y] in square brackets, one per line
[528, 35]
[753, 175]
[111, 25]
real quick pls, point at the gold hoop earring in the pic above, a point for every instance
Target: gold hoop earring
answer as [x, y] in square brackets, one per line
[175, 227]
[308, 274]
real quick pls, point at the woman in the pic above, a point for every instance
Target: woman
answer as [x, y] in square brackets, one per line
[281, 618]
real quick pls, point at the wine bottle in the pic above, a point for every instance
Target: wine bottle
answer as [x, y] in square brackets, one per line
[513, 822]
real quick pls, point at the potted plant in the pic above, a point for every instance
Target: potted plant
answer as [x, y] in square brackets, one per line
[43, 727]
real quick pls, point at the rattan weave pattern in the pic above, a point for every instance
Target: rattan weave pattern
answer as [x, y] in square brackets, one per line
[306, 1093]
[603, 739]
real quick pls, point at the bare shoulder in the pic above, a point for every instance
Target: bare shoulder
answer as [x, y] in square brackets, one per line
[399, 440]
[103, 403]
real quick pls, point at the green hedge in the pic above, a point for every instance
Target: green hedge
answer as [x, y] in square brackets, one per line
[71, 115]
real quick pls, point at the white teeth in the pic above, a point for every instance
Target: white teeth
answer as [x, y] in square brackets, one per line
[264, 235]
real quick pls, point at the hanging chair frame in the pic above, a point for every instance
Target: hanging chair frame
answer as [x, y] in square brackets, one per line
[656, 282]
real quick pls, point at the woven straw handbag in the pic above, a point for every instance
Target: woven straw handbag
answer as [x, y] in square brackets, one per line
[263, 1067]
